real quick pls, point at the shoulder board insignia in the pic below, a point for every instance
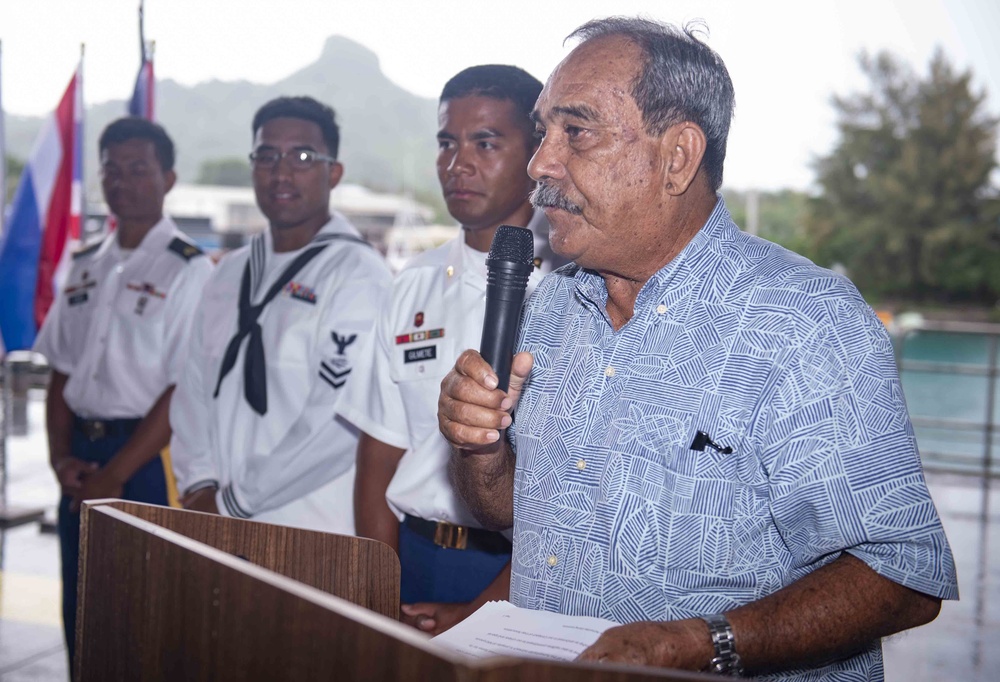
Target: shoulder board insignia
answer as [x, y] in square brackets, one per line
[87, 250]
[184, 249]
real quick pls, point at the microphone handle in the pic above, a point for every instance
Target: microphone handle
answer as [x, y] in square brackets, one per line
[506, 283]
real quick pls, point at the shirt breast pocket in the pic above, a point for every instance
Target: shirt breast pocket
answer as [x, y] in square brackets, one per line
[419, 382]
[140, 303]
[139, 316]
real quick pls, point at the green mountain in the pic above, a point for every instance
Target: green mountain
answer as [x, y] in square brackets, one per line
[387, 134]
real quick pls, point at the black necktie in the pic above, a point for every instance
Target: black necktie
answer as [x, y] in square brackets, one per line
[254, 374]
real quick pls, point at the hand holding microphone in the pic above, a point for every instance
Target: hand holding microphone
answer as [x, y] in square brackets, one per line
[479, 392]
[508, 266]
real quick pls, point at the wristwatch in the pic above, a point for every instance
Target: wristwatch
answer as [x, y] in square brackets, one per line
[726, 660]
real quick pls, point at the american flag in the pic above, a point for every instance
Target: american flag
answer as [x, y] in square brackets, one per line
[141, 103]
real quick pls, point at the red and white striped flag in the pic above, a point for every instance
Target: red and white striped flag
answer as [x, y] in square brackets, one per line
[36, 247]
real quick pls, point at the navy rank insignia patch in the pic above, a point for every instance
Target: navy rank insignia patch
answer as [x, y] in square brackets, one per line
[301, 292]
[343, 341]
[418, 320]
[183, 249]
[419, 336]
[334, 370]
[334, 373]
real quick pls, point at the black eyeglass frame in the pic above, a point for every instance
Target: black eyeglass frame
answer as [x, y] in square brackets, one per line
[298, 159]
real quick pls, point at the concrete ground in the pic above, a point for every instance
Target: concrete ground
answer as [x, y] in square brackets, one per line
[959, 645]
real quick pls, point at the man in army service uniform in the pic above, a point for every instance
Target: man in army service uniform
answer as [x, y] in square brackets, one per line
[116, 338]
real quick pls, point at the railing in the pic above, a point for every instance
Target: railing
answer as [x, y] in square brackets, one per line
[949, 373]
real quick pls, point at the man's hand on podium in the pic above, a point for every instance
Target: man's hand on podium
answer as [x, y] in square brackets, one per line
[201, 500]
[683, 644]
[435, 618]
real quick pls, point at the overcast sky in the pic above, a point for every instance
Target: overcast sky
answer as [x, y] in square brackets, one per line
[786, 57]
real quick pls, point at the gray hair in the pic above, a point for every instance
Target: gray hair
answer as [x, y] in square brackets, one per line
[682, 79]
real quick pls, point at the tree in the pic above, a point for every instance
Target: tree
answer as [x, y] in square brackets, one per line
[781, 217]
[907, 205]
[230, 172]
[15, 167]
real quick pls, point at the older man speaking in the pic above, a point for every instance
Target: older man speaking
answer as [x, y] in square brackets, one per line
[710, 444]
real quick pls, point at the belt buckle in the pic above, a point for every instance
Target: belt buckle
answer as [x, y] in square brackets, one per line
[96, 429]
[451, 536]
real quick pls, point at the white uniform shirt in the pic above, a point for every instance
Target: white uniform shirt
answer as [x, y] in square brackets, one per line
[436, 312]
[120, 326]
[293, 465]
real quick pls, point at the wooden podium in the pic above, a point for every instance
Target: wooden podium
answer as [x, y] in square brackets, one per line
[167, 594]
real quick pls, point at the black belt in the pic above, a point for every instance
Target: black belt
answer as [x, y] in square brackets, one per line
[449, 535]
[96, 429]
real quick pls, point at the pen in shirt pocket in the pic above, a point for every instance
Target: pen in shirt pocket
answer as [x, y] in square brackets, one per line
[702, 439]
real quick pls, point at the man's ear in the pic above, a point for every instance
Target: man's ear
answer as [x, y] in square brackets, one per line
[170, 179]
[683, 147]
[336, 173]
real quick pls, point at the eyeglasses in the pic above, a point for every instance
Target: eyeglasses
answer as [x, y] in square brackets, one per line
[298, 159]
[110, 171]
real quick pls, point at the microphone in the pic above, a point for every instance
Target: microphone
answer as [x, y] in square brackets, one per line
[508, 266]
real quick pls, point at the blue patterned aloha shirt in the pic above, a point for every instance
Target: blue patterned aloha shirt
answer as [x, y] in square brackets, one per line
[615, 515]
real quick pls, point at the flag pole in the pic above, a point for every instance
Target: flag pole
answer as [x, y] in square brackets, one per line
[152, 80]
[3, 155]
[81, 146]
[142, 34]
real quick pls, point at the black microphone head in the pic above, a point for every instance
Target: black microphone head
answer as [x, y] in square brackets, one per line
[512, 244]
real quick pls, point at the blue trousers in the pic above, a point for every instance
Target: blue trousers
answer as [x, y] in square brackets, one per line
[149, 484]
[431, 573]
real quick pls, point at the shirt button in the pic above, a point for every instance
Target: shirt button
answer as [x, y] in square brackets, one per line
[420, 369]
[552, 560]
[661, 309]
[610, 371]
[119, 269]
[451, 270]
[581, 464]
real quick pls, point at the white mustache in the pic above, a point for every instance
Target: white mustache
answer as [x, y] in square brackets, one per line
[545, 195]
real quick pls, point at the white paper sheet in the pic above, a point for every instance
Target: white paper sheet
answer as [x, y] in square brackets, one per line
[499, 628]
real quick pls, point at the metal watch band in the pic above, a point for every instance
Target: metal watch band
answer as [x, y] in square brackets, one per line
[726, 660]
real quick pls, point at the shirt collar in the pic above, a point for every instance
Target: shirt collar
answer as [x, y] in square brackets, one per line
[456, 269]
[337, 224]
[454, 264]
[155, 240]
[158, 237]
[717, 230]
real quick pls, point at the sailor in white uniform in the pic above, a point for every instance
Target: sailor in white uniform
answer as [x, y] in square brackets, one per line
[276, 339]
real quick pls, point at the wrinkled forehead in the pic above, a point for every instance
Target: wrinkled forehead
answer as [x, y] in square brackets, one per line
[599, 72]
